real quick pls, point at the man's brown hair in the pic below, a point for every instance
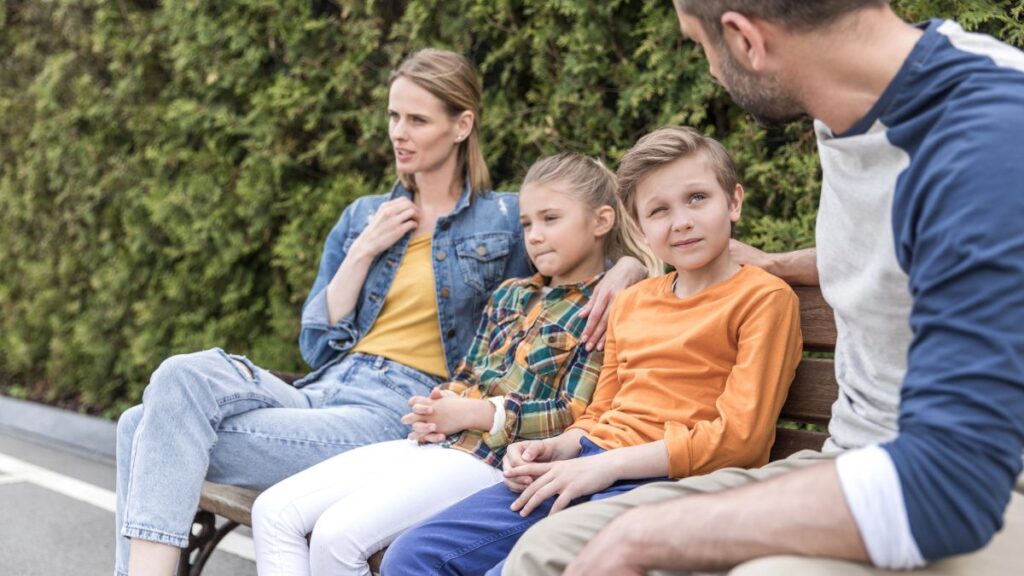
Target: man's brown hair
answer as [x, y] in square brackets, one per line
[798, 15]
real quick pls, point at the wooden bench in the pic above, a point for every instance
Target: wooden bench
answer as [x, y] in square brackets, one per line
[809, 402]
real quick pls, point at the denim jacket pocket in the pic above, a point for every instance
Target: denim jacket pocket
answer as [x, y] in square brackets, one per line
[482, 259]
[551, 351]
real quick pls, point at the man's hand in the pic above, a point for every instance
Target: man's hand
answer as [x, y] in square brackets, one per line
[799, 267]
[444, 413]
[742, 254]
[611, 551]
[569, 479]
[626, 272]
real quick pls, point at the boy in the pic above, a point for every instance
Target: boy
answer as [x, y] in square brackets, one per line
[697, 366]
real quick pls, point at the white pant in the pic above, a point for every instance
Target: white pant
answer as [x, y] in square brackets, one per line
[357, 503]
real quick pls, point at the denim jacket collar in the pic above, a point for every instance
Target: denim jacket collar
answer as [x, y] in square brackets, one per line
[400, 191]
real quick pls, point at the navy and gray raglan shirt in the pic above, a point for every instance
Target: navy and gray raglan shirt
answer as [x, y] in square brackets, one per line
[920, 238]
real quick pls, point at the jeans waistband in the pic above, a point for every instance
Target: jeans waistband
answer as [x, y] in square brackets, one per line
[385, 364]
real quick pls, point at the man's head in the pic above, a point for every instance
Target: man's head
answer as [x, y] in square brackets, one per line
[732, 33]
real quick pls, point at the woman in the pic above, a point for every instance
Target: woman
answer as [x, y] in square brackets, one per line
[372, 335]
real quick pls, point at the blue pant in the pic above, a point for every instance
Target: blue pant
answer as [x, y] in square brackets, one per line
[213, 416]
[477, 534]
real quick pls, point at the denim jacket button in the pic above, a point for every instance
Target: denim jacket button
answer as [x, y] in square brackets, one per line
[445, 225]
[444, 292]
[450, 333]
[481, 250]
[440, 255]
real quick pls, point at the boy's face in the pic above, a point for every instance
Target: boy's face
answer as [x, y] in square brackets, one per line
[685, 216]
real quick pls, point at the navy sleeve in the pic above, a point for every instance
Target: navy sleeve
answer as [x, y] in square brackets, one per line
[959, 231]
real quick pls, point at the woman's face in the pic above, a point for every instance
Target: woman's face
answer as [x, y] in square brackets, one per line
[424, 136]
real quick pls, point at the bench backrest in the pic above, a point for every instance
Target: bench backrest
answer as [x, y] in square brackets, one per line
[814, 388]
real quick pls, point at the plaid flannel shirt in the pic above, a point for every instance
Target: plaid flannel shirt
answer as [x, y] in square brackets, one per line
[532, 359]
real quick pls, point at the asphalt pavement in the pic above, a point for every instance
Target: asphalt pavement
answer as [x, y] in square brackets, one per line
[57, 498]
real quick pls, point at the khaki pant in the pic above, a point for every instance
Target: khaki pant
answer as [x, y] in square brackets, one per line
[550, 545]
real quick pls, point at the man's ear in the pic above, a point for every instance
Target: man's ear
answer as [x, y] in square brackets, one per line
[745, 40]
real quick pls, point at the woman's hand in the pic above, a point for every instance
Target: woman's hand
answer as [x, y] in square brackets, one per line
[393, 220]
[444, 413]
[569, 479]
[626, 272]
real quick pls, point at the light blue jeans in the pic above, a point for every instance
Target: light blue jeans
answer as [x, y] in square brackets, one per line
[213, 416]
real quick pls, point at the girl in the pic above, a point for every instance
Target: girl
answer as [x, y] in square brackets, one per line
[373, 336]
[525, 377]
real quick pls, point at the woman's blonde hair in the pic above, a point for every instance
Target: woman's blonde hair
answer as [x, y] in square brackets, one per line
[596, 186]
[453, 80]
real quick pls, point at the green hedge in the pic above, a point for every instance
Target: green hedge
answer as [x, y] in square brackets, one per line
[168, 170]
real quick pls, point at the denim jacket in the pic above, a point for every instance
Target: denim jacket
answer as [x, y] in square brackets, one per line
[475, 248]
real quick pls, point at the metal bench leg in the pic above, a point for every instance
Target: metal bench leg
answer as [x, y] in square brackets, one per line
[203, 540]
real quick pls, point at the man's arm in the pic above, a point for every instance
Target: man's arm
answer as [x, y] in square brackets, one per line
[799, 267]
[717, 531]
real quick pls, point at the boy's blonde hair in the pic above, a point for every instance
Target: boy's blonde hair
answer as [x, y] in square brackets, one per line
[596, 186]
[452, 79]
[666, 145]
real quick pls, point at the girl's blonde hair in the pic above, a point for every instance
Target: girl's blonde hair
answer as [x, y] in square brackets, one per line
[451, 78]
[596, 186]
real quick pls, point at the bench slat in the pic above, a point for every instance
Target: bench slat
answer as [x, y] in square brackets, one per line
[816, 320]
[789, 442]
[812, 393]
[231, 502]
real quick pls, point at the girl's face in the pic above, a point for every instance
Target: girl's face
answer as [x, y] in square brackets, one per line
[424, 136]
[685, 215]
[564, 237]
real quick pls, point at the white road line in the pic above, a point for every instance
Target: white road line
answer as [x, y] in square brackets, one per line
[15, 479]
[21, 471]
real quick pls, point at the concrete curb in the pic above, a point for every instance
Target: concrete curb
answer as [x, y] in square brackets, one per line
[87, 435]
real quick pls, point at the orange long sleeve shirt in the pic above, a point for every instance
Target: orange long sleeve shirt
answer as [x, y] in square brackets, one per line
[708, 373]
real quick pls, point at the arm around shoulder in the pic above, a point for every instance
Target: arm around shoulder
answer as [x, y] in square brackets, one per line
[799, 267]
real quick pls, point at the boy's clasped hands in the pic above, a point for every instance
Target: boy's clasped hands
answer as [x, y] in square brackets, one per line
[541, 469]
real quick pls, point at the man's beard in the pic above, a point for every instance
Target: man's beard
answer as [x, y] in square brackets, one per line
[764, 98]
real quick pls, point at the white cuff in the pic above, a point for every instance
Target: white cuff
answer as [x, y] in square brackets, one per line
[499, 414]
[872, 488]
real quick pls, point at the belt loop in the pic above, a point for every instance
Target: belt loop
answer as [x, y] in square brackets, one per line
[378, 363]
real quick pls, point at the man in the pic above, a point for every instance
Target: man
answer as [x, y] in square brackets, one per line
[921, 255]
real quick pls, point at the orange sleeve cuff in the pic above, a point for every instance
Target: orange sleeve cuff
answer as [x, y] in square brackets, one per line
[677, 440]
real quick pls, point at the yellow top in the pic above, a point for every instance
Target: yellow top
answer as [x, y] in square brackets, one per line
[407, 329]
